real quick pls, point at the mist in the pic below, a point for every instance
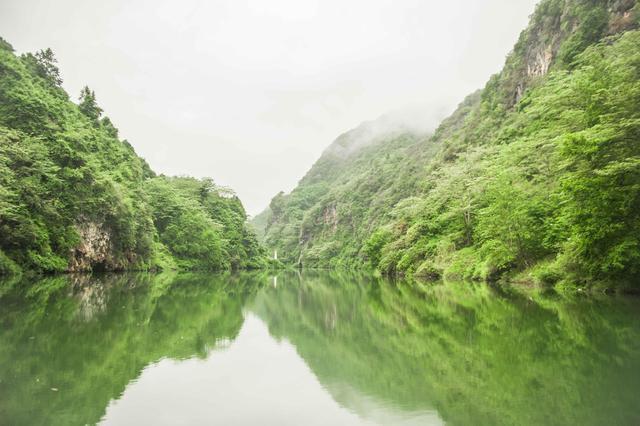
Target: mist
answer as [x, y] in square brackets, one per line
[251, 93]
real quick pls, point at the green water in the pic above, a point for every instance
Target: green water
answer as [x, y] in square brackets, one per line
[311, 348]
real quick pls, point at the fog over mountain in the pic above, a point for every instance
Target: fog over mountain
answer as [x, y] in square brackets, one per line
[252, 92]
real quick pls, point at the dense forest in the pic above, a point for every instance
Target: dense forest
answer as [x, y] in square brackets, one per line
[535, 178]
[75, 197]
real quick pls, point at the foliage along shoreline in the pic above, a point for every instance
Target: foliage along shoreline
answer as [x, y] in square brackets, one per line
[74, 197]
[533, 179]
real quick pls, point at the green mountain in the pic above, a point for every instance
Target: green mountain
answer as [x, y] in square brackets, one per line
[535, 177]
[74, 197]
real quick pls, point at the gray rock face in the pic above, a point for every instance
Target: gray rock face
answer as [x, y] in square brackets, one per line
[541, 41]
[95, 251]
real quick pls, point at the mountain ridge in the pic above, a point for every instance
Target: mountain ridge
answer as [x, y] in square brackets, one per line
[496, 191]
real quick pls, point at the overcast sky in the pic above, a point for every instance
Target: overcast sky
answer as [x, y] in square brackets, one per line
[251, 92]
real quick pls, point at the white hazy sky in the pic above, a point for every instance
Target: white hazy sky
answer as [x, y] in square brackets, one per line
[251, 92]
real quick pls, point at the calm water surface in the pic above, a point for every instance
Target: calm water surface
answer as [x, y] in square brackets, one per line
[311, 348]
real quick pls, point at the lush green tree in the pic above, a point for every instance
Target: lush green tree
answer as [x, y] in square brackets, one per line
[43, 64]
[88, 105]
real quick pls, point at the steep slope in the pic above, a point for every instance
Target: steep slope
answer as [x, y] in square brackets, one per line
[538, 172]
[74, 197]
[345, 194]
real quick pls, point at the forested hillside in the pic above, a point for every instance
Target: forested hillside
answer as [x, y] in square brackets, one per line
[75, 197]
[536, 177]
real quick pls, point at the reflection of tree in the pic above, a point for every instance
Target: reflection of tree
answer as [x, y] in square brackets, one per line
[90, 345]
[476, 356]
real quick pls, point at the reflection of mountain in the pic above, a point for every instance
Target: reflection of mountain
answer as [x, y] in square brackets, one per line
[475, 356]
[390, 353]
[380, 412]
[67, 357]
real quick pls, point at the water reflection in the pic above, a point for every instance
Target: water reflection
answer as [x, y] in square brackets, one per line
[311, 348]
[72, 344]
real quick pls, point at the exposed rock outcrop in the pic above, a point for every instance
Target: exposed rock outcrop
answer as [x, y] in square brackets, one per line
[95, 250]
[541, 44]
[330, 217]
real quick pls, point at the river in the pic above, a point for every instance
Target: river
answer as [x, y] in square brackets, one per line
[311, 348]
